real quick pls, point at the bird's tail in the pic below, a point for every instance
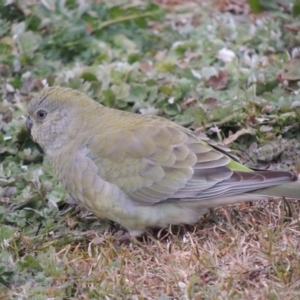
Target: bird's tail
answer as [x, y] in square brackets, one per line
[257, 182]
[289, 190]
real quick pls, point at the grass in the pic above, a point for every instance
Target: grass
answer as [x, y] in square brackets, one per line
[216, 69]
[251, 253]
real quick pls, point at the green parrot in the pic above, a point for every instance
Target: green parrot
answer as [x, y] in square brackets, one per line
[139, 170]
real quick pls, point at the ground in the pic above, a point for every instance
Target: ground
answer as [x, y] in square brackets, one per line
[229, 69]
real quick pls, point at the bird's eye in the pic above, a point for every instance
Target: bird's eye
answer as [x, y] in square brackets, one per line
[41, 114]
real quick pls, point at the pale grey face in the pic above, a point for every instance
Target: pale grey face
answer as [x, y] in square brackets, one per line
[47, 121]
[57, 114]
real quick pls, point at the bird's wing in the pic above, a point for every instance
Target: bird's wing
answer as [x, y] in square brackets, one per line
[152, 164]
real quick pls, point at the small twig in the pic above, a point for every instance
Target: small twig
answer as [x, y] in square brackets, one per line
[283, 5]
[235, 136]
[122, 19]
[291, 27]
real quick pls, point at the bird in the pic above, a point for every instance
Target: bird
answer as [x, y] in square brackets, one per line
[141, 171]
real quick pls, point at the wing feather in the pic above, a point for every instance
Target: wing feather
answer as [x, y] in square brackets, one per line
[160, 161]
[153, 164]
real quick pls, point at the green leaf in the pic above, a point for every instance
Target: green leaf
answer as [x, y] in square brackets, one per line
[171, 109]
[255, 6]
[89, 77]
[296, 8]
[30, 263]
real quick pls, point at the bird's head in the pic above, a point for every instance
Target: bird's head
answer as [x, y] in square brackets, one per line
[52, 114]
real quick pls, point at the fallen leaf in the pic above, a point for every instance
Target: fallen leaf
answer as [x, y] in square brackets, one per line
[219, 82]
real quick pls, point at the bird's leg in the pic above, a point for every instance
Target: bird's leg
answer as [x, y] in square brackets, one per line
[124, 238]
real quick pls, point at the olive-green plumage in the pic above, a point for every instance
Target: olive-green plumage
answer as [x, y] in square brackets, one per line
[140, 171]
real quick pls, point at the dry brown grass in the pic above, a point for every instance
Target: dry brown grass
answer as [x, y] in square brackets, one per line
[239, 252]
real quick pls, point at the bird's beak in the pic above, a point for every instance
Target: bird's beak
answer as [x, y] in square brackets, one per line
[29, 124]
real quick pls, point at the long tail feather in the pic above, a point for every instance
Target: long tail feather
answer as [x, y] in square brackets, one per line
[250, 182]
[289, 190]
